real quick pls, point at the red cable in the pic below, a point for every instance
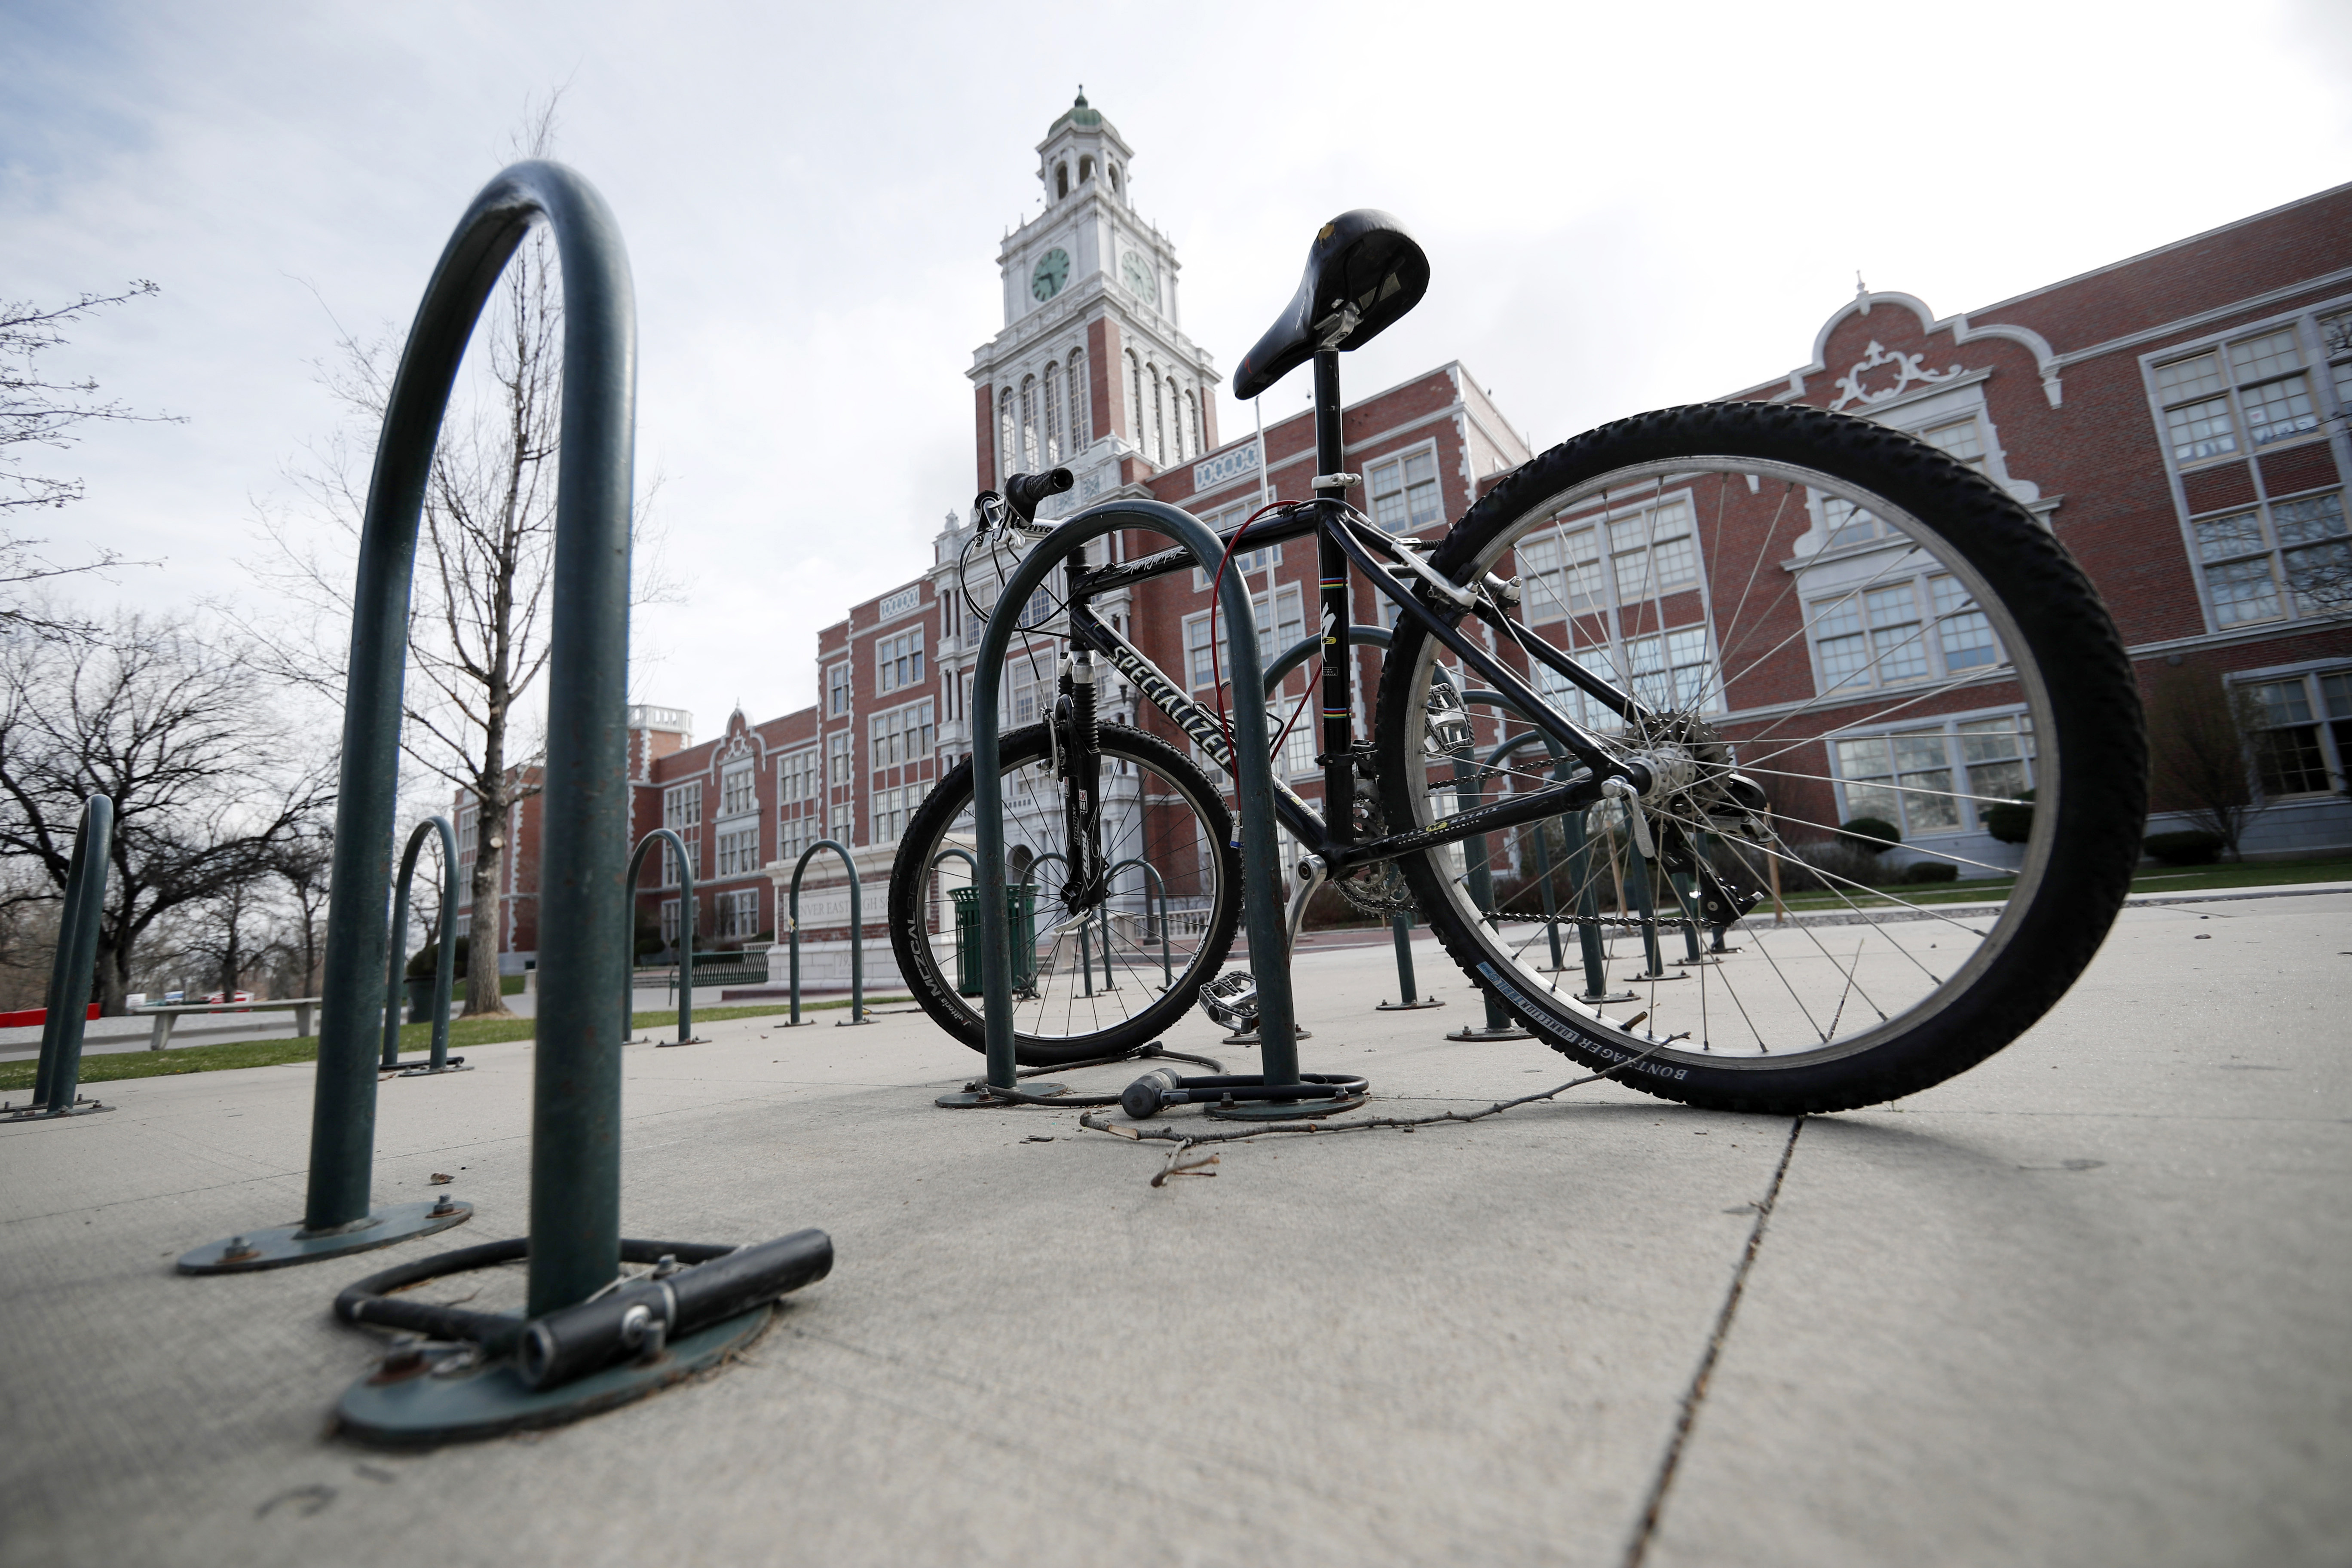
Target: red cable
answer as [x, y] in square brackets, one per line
[1216, 666]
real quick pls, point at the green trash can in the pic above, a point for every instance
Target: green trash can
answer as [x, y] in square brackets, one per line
[1021, 919]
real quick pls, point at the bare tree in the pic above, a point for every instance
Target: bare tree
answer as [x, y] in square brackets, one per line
[478, 623]
[38, 410]
[303, 861]
[2199, 731]
[181, 734]
[230, 921]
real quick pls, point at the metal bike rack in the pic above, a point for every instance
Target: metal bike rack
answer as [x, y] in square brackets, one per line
[1262, 883]
[1469, 791]
[56, 1080]
[445, 957]
[1587, 919]
[857, 935]
[1408, 1000]
[686, 924]
[574, 1248]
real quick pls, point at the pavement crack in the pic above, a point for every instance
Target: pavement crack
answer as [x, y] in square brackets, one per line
[1693, 1397]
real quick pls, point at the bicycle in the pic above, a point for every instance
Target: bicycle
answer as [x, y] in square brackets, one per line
[1903, 586]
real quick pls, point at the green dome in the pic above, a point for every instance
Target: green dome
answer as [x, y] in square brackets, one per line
[1078, 114]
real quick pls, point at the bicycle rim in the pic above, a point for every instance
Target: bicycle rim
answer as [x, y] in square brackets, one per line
[1863, 628]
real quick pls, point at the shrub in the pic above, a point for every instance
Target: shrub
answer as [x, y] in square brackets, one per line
[2189, 847]
[2011, 824]
[1870, 834]
[421, 966]
[1832, 865]
[1931, 871]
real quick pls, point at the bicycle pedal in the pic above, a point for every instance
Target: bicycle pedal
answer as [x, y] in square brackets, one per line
[1231, 1001]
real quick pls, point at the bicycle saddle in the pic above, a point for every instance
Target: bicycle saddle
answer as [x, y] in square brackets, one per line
[1363, 271]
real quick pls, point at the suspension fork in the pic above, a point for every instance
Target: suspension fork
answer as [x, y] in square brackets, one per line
[1077, 749]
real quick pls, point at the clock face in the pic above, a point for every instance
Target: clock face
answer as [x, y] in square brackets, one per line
[1053, 271]
[1137, 274]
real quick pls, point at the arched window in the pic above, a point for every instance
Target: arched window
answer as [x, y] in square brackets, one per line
[1085, 169]
[1061, 181]
[1112, 169]
[1080, 437]
[1135, 399]
[1004, 448]
[1159, 453]
[1177, 447]
[1029, 423]
[1193, 424]
[1052, 399]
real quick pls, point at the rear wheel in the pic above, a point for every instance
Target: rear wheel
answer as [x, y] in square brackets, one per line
[1092, 976]
[1825, 621]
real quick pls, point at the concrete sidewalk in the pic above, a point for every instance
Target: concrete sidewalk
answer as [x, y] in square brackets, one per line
[2090, 1303]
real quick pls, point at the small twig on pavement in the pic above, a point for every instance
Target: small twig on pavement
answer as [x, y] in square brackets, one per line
[1184, 1141]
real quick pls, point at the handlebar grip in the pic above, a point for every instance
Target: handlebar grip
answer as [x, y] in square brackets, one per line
[1024, 491]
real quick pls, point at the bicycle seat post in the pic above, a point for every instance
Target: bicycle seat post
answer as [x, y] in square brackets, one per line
[1337, 697]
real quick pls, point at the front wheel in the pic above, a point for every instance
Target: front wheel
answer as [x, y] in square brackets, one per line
[1094, 973]
[1848, 652]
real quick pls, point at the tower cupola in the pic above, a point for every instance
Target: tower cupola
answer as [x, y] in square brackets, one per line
[1082, 149]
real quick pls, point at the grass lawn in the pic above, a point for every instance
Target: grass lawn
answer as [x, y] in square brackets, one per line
[2155, 879]
[415, 1039]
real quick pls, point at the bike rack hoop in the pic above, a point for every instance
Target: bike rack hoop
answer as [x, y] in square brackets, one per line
[1253, 773]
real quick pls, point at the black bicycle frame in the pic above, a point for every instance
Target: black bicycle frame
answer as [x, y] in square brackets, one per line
[1347, 540]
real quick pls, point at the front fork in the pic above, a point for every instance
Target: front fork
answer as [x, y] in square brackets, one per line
[1078, 754]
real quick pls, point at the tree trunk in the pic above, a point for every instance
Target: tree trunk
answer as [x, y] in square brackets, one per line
[113, 977]
[487, 928]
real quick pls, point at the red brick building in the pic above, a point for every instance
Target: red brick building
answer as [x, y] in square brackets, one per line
[2178, 418]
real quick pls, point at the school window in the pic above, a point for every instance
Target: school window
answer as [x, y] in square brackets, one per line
[1653, 551]
[890, 810]
[837, 754]
[1847, 523]
[1869, 638]
[670, 921]
[796, 776]
[899, 661]
[1026, 675]
[1293, 751]
[1962, 632]
[2289, 557]
[739, 851]
[682, 815]
[737, 795]
[1918, 779]
[738, 913]
[901, 736]
[837, 689]
[1962, 439]
[1572, 699]
[2305, 743]
[1280, 623]
[1673, 670]
[2249, 393]
[1561, 573]
[1405, 495]
[2336, 343]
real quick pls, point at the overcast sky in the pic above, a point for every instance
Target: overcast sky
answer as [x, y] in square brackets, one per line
[1626, 206]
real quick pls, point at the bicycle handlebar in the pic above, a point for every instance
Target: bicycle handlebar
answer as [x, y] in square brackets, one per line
[1023, 492]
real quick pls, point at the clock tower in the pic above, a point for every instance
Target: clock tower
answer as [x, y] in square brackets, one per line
[1092, 371]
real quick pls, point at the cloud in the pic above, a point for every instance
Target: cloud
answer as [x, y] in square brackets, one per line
[1626, 206]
